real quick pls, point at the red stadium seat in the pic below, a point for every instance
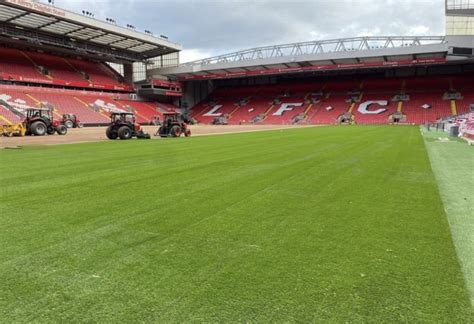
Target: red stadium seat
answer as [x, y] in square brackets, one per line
[89, 107]
[331, 99]
[41, 68]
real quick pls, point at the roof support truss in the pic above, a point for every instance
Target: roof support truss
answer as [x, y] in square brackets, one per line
[320, 47]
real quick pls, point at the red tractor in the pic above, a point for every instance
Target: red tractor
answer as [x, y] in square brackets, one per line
[122, 125]
[39, 122]
[71, 121]
[173, 126]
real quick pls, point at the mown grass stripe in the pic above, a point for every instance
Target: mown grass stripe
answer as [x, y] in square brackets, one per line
[453, 166]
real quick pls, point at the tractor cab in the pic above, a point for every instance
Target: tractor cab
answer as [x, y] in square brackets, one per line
[170, 117]
[39, 113]
[123, 118]
[173, 126]
[40, 121]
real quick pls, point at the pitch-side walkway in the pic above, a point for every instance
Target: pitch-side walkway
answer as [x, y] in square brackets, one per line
[452, 161]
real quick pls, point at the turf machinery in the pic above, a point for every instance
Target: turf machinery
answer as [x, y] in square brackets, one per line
[38, 122]
[71, 121]
[173, 126]
[123, 125]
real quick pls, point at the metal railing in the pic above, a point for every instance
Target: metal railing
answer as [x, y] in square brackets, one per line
[320, 47]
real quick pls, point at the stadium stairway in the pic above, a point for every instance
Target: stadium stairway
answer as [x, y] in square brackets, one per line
[329, 109]
[96, 71]
[37, 66]
[58, 67]
[247, 113]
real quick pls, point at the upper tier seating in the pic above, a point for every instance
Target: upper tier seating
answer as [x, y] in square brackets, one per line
[35, 67]
[15, 63]
[58, 67]
[98, 73]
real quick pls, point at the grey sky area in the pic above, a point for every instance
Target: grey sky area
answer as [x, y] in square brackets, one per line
[210, 27]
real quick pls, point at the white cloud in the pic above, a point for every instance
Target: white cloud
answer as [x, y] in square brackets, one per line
[419, 30]
[194, 54]
[211, 27]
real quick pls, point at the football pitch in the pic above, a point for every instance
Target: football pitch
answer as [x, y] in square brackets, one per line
[332, 224]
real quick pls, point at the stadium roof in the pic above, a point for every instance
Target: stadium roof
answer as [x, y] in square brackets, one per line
[42, 24]
[347, 53]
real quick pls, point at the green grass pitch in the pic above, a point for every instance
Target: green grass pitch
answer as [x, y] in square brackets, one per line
[333, 224]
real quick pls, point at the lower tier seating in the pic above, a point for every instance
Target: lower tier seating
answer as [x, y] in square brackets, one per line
[371, 101]
[89, 107]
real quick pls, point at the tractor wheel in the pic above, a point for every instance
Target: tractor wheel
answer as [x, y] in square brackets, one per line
[125, 133]
[51, 131]
[79, 125]
[187, 133]
[111, 134]
[38, 128]
[176, 131]
[61, 129]
[69, 124]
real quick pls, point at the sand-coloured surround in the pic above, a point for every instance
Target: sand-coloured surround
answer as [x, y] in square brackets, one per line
[95, 134]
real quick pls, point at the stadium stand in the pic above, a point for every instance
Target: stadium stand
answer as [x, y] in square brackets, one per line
[97, 72]
[257, 106]
[7, 116]
[48, 76]
[370, 101]
[41, 68]
[329, 109]
[15, 65]
[360, 100]
[57, 67]
[89, 106]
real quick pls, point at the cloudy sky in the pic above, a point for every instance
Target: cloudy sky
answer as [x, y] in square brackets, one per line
[210, 27]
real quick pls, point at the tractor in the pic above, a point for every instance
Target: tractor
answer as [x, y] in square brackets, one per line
[39, 122]
[173, 126]
[71, 121]
[122, 125]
